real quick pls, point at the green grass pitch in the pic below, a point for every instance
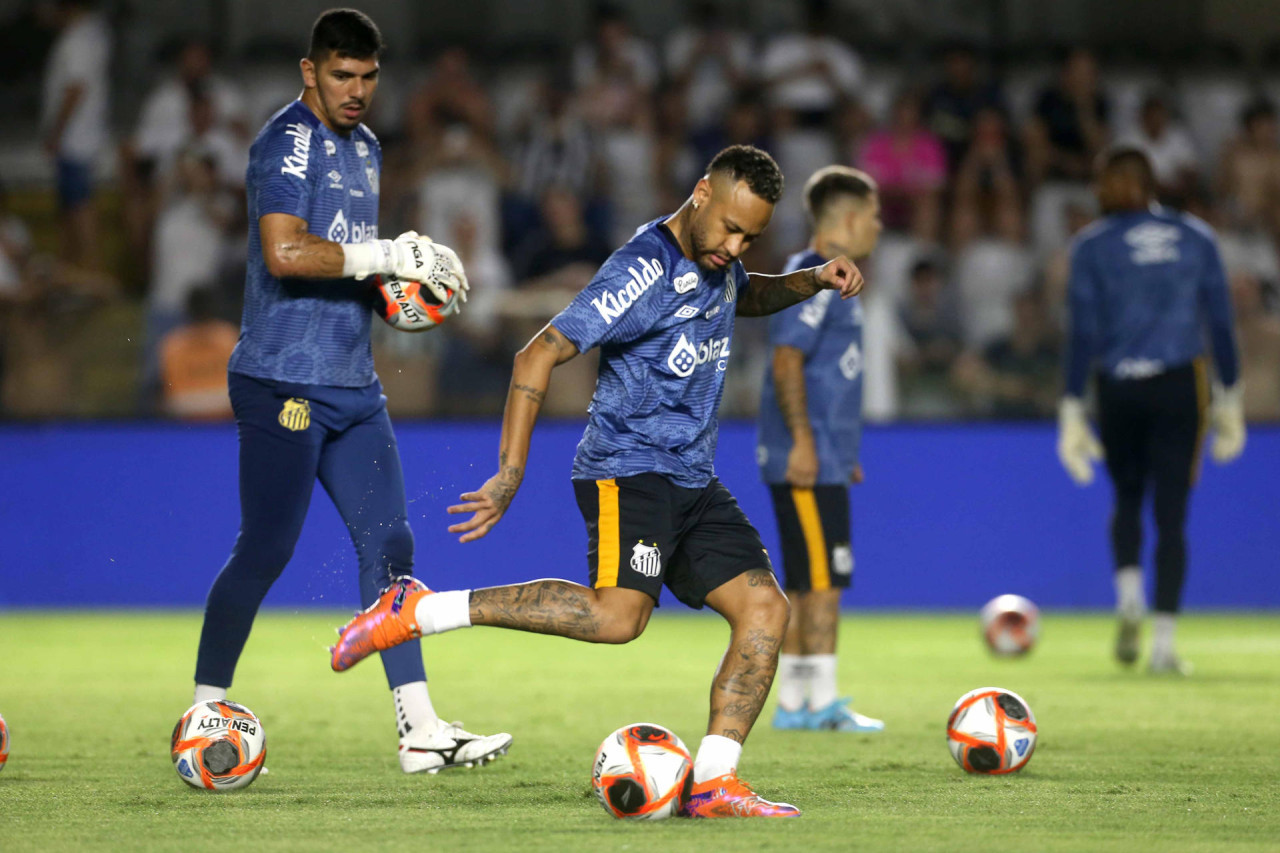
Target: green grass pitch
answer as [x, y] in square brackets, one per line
[1125, 761]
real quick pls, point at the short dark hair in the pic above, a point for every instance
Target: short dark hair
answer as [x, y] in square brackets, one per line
[1132, 159]
[750, 164]
[829, 184]
[344, 32]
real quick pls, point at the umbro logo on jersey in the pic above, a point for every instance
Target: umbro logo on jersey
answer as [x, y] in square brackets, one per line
[1154, 243]
[335, 178]
[685, 283]
[296, 163]
[613, 305]
[687, 311]
[646, 559]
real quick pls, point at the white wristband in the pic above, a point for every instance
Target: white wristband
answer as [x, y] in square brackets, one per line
[361, 260]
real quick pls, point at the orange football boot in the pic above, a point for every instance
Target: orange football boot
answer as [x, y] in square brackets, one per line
[729, 796]
[389, 621]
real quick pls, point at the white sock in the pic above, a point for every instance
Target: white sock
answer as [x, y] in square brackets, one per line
[717, 756]
[444, 611]
[209, 693]
[1162, 635]
[1131, 600]
[822, 681]
[793, 681]
[413, 707]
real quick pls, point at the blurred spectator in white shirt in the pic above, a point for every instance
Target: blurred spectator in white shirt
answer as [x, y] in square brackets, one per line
[189, 247]
[73, 125]
[1169, 148]
[709, 62]
[1249, 177]
[615, 72]
[809, 74]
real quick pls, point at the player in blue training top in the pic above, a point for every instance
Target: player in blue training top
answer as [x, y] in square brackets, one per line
[809, 436]
[1146, 283]
[307, 402]
[661, 310]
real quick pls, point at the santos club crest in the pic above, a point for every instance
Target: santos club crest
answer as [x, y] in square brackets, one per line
[646, 559]
[296, 414]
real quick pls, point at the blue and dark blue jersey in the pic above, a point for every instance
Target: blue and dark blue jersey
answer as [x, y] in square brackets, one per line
[664, 328]
[313, 332]
[1144, 287]
[828, 331]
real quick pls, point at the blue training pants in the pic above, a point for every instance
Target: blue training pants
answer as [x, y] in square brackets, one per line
[289, 436]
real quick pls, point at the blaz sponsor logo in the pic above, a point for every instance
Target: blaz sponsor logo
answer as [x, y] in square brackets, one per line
[355, 232]
[296, 163]
[613, 305]
[686, 357]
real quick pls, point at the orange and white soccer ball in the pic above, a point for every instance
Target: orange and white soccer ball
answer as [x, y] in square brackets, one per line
[642, 772]
[1010, 625]
[410, 306]
[218, 746]
[4, 742]
[991, 730]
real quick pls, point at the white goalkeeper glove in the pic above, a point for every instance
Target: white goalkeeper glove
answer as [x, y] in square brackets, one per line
[1226, 416]
[410, 257]
[1078, 449]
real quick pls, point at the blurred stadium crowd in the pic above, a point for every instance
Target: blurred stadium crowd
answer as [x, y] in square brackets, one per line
[120, 286]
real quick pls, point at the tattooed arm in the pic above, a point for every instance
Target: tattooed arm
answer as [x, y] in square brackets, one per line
[769, 294]
[529, 382]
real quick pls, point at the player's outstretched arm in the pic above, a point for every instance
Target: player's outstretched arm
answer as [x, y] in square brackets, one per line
[769, 294]
[529, 382]
[291, 251]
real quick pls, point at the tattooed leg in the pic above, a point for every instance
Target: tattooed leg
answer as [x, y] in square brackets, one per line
[757, 614]
[609, 615]
[821, 622]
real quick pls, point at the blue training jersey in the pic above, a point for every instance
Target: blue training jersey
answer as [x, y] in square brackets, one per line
[1144, 286]
[828, 331]
[313, 332]
[664, 328]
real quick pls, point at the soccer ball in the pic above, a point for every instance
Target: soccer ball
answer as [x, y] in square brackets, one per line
[642, 772]
[1010, 625]
[4, 742]
[991, 730]
[218, 746]
[410, 306]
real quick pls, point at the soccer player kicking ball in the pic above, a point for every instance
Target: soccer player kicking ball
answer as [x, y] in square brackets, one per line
[1145, 284]
[661, 309]
[809, 433]
[307, 401]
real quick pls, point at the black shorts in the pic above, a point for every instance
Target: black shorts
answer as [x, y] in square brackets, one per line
[644, 531]
[813, 525]
[1152, 429]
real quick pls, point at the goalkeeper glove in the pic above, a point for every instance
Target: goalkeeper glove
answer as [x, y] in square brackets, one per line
[409, 257]
[1226, 416]
[1078, 449]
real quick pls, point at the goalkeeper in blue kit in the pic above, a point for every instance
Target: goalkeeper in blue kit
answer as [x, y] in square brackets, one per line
[662, 311]
[307, 402]
[1146, 285]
